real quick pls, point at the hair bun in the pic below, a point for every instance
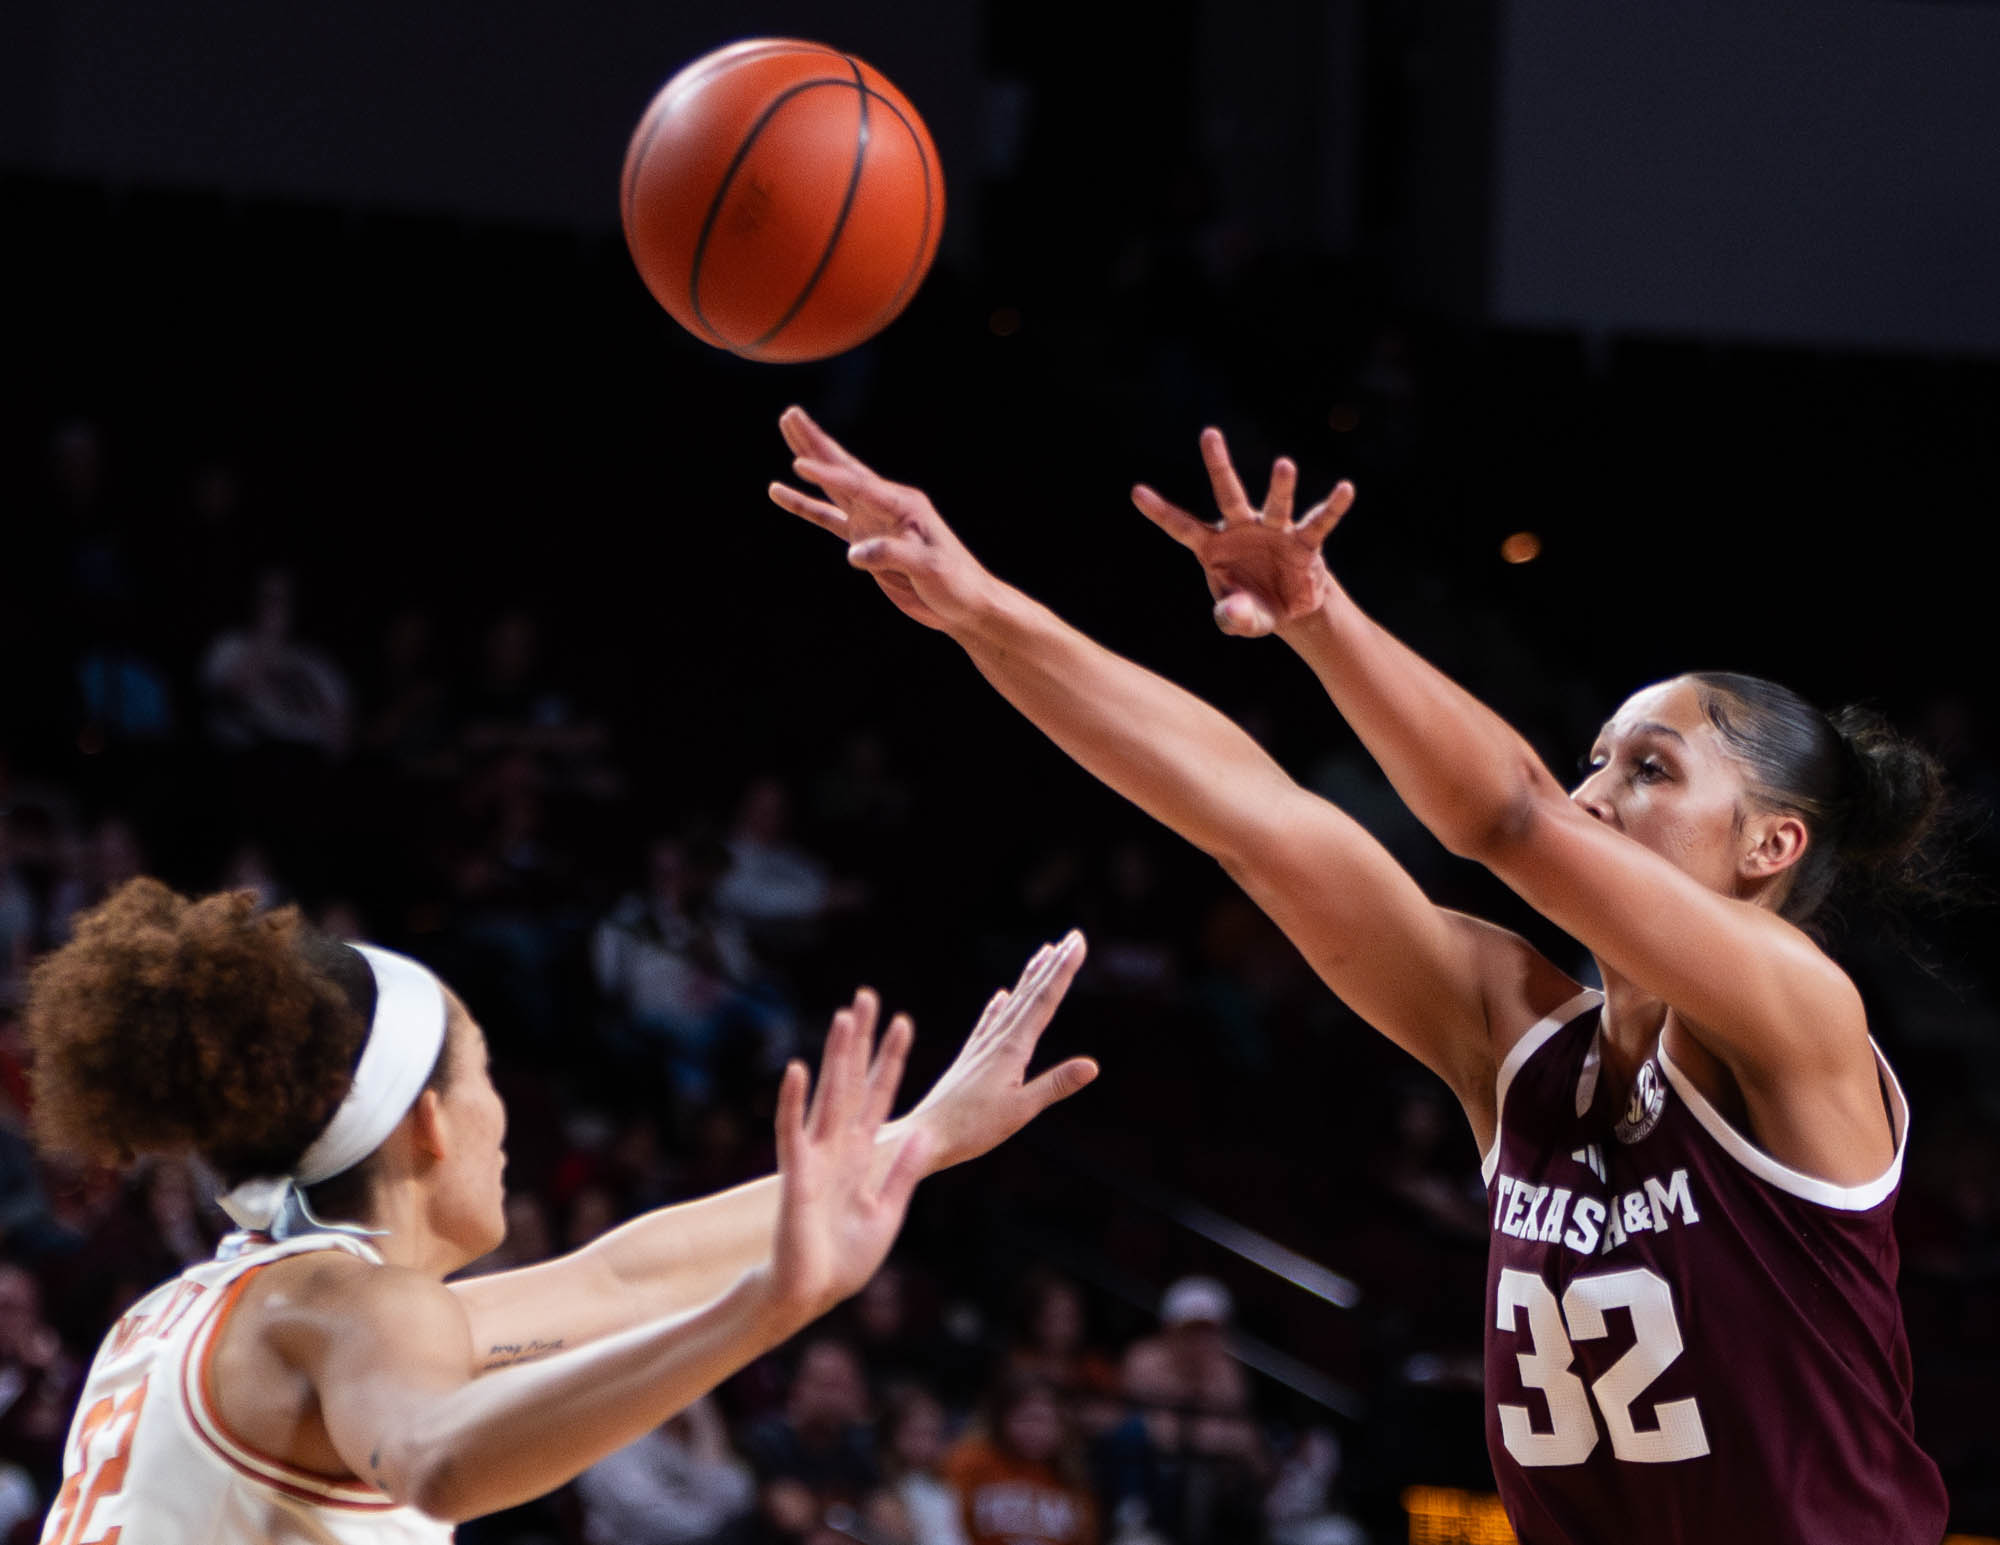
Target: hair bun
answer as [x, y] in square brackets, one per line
[167, 1026]
[1899, 792]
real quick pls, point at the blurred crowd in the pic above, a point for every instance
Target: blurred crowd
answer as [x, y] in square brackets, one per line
[653, 844]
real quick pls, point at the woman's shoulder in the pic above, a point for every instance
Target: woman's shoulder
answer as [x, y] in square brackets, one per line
[299, 1303]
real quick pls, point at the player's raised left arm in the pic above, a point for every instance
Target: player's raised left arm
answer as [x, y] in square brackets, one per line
[1757, 992]
[675, 1258]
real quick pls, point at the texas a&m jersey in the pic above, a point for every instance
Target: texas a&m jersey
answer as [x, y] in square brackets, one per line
[1686, 1341]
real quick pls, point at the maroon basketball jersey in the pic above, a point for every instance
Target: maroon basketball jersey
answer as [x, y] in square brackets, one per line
[1687, 1341]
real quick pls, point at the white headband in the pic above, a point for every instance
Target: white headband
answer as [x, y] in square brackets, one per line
[402, 1047]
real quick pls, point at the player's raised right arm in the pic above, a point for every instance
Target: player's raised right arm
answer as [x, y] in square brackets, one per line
[1417, 973]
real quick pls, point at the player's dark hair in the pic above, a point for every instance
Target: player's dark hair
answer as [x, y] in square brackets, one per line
[169, 1025]
[1874, 803]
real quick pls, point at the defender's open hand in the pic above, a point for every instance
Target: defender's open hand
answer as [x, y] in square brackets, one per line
[835, 1220]
[986, 1096]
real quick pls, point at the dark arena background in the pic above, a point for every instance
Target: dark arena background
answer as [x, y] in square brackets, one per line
[318, 321]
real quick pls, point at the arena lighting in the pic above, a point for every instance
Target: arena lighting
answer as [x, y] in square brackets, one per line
[1443, 1515]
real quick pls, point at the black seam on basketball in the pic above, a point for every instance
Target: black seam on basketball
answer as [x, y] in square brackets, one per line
[722, 193]
[862, 94]
[924, 235]
[636, 162]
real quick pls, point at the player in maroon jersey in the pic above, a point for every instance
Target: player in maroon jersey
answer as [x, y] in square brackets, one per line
[1692, 1326]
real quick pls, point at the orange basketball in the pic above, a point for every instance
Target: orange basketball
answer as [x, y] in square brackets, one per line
[782, 200]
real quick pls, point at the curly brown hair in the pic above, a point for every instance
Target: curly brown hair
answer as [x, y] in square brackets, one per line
[167, 1025]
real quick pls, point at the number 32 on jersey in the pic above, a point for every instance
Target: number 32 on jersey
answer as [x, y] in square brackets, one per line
[105, 1444]
[1553, 1329]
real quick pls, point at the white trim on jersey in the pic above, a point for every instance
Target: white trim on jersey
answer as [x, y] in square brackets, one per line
[1534, 1040]
[1767, 1169]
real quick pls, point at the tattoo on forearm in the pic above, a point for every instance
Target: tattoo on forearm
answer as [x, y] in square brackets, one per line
[507, 1353]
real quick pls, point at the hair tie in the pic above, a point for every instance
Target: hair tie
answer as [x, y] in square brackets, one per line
[402, 1046]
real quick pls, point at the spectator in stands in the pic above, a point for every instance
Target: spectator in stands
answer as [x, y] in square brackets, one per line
[862, 806]
[19, 925]
[1137, 933]
[590, 1212]
[38, 1384]
[511, 878]
[1195, 1400]
[896, 1335]
[779, 891]
[20, 1508]
[1421, 1169]
[1052, 1345]
[113, 853]
[686, 995]
[29, 1230]
[1300, 1508]
[1021, 1481]
[530, 1236]
[513, 706]
[818, 1453]
[37, 887]
[410, 724]
[264, 687]
[679, 1484]
[913, 1448]
[249, 868]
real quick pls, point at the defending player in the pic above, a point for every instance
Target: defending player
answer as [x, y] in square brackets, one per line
[319, 1381]
[1692, 1327]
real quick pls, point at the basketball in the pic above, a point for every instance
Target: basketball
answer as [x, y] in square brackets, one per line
[782, 199]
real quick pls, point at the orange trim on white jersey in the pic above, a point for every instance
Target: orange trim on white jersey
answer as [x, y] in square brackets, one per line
[196, 1384]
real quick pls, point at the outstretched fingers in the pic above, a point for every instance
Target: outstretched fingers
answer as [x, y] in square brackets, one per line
[1042, 988]
[806, 438]
[852, 487]
[1171, 518]
[1229, 495]
[1284, 487]
[1061, 1081]
[885, 1075]
[1318, 522]
[791, 1118]
[826, 516]
[1027, 1010]
[843, 1068]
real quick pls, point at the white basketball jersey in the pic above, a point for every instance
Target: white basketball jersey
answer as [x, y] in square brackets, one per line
[149, 1462]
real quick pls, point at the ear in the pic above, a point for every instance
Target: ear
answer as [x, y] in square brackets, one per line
[430, 1129]
[1774, 842]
